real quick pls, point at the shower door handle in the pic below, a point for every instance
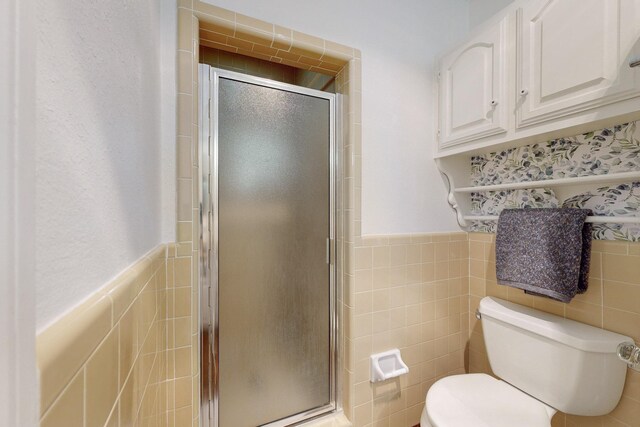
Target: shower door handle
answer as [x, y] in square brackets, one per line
[328, 251]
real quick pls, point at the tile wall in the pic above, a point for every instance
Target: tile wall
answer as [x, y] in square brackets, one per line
[229, 31]
[612, 302]
[125, 356]
[183, 389]
[247, 64]
[182, 344]
[408, 292]
[104, 363]
[266, 69]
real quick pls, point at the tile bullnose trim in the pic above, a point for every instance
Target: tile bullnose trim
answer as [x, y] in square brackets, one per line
[63, 347]
[406, 238]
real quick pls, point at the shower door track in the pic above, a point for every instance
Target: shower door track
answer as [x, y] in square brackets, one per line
[208, 262]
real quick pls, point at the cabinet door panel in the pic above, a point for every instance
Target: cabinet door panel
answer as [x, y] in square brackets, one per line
[473, 88]
[469, 81]
[573, 56]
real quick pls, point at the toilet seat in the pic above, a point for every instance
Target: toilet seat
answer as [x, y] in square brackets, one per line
[480, 400]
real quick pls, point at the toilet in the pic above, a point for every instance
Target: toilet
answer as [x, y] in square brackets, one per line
[545, 364]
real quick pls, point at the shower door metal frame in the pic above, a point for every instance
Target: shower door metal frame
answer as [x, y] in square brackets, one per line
[208, 218]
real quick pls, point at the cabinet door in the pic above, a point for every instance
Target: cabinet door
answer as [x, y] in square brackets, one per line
[473, 88]
[573, 56]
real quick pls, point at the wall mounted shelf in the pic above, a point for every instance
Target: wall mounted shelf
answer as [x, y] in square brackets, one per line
[456, 171]
[591, 219]
[560, 182]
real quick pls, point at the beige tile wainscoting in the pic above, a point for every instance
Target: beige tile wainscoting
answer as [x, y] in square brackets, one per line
[408, 292]
[124, 357]
[110, 361]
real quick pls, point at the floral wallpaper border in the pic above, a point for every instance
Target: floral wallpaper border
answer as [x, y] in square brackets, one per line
[601, 152]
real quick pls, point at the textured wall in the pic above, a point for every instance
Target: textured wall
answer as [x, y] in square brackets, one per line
[98, 148]
[402, 190]
[481, 10]
[168, 45]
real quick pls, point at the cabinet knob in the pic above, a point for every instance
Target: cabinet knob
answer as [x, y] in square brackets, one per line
[523, 92]
[493, 103]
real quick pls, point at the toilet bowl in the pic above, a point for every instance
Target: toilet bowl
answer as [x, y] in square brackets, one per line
[545, 364]
[480, 400]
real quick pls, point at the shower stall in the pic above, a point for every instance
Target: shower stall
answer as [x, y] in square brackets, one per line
[267, 265]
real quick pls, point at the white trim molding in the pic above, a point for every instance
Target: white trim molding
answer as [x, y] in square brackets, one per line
[18, 388]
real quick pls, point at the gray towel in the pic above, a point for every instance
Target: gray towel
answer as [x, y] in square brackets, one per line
[544, 251]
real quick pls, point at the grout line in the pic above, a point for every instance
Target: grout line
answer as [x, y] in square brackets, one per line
[84, 395]
[113, 410]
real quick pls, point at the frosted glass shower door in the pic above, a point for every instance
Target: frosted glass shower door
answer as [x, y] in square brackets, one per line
[274, 323]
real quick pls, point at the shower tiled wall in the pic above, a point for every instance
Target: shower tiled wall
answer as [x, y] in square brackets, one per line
[248, 65]
[226, 30]
[266, 69]
[104, 363]
[612, 302]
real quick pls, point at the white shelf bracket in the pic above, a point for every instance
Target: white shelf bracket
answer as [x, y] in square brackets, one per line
[451, 197]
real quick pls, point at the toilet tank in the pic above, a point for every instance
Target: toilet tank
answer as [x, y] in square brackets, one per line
[568, 365]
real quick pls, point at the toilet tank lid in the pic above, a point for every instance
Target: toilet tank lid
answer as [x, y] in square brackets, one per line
[569, 332]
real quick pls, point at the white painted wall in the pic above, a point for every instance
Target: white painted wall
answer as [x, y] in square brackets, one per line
[98, 162]
[481, 10]
[18, 388]
[402, 190]
[168, 47]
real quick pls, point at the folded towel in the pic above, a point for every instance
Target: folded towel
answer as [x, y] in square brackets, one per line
[544, 251]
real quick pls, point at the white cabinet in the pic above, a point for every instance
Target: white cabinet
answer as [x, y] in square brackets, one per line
[538, 70]
[473, 88]
[572, 56]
